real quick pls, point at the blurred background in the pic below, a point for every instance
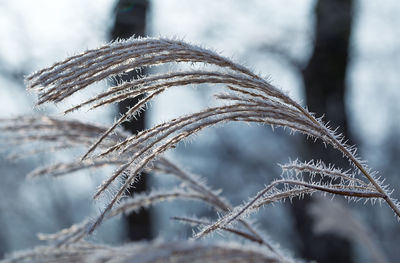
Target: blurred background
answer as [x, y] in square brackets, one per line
[340, 58]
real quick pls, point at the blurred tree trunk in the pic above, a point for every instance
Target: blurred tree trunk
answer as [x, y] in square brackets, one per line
[130, 19]
[325, 86]
[3, 247]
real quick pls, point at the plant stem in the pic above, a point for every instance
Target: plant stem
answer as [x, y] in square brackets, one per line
[354, 160]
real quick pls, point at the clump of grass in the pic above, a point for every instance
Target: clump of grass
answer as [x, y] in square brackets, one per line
[145, 252]
[246, 97]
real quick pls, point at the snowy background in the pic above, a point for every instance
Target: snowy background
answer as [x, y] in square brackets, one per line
[37, 33]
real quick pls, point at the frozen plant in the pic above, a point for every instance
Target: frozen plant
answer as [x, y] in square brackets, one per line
[247, 97]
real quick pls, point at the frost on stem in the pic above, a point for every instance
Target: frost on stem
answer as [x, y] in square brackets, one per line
[246, 97]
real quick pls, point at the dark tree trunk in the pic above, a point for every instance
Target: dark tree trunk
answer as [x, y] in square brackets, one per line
[324, 80]
[3, 248]
[130, 19]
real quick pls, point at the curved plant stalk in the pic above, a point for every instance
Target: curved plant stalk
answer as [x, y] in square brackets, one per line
[252, 99]
[246, 98]
[57, 130]
[348, 191]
